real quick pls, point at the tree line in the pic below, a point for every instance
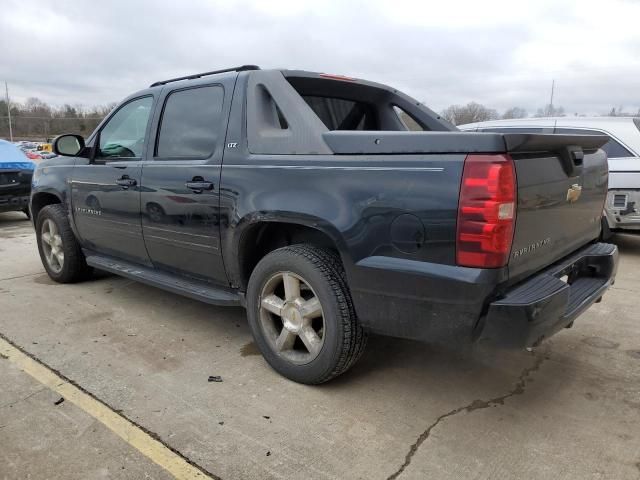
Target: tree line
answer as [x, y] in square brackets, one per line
[36, 120]
[475, 112]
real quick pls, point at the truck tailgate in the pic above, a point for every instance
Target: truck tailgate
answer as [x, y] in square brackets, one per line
[562, 186]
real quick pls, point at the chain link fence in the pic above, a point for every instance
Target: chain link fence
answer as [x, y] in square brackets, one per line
[44, 129]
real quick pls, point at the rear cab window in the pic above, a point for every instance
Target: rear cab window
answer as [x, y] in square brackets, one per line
[350, 104]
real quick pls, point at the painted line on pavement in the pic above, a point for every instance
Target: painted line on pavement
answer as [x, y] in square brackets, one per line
[171, 460]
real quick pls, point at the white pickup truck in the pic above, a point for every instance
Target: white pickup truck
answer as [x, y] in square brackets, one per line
[622, 208]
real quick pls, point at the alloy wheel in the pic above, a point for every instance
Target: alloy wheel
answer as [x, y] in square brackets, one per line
[52, 245]
[291, 317]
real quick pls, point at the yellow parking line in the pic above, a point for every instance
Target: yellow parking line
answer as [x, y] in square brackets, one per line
[129, 432]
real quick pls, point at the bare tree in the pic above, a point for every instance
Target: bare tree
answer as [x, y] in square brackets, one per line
[621, 113]
[36, 120]
[550, 111]
[515, 112]
[469, 113]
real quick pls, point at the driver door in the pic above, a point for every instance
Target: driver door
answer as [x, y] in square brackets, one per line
[105, 191]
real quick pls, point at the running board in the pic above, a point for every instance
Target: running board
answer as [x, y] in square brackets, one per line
[182, 286]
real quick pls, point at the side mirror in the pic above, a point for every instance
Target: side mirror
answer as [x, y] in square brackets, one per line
[68, 145]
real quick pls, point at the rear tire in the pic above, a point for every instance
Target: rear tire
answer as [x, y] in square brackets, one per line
[302, 316]
[27, 212]
[59, 249]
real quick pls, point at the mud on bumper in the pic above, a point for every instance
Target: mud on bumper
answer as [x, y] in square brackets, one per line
[551, 300]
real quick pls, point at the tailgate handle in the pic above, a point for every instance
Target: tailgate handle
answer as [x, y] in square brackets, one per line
[572, 158]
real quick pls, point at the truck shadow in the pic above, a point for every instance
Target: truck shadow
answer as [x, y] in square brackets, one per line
[468, 371]
[628, 243]
[14, 219]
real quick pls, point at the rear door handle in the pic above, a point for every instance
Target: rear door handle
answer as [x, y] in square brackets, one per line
[125, 181]
[199, 185]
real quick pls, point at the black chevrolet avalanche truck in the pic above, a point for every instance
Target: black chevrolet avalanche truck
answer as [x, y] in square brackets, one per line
[330, 207]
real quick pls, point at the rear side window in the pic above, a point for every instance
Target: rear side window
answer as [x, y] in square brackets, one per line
[191, 123]
[341, 114]
[612, 148]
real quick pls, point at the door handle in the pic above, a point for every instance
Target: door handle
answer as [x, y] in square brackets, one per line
[126, 182]
[199, 185]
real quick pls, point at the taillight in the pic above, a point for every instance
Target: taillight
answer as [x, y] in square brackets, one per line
[486, 211]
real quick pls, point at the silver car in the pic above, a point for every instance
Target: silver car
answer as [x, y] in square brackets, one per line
[622, 208]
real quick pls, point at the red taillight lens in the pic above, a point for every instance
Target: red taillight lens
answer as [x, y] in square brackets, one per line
[486, 212]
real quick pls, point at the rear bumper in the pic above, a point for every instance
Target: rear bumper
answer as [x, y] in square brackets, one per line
[544, 304]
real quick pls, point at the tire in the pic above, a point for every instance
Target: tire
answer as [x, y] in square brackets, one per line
[69, 267]
[27, 212]
[338, 341]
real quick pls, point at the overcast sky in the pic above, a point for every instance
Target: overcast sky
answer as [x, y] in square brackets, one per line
[499, 53]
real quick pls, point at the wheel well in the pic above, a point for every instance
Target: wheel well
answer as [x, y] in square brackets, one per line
[266, 237]
[41, 200]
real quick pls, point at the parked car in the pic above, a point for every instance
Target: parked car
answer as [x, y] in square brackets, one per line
[622, 207]
[26, 145]
[305, 199]
[15, 179]
[33, 155]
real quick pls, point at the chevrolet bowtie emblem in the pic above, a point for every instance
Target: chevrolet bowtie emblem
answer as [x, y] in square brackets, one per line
[574, 192]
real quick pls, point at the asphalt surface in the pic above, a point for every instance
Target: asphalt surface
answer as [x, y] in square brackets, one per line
[570, 409]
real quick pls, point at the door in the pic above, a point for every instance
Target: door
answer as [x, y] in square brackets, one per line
[180, 190]
[105, 191]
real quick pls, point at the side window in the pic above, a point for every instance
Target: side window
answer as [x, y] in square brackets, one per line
[123, 135]
[191, 123]
[612, 148]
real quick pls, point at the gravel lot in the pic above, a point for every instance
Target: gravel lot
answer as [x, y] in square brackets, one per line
[570, 409]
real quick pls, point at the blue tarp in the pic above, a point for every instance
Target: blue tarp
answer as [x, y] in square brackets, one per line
[12, 157]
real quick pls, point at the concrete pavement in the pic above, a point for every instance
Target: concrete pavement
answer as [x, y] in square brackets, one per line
[570, 409]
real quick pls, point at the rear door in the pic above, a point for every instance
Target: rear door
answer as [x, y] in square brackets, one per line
[180, 181]
[105, 192]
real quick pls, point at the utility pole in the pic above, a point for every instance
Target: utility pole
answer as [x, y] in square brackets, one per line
[553, 85]
[6, 90]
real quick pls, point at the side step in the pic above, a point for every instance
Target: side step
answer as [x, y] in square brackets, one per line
[182, 286]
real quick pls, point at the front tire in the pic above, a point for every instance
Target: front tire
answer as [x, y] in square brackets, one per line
[59, 250]
[302, 316]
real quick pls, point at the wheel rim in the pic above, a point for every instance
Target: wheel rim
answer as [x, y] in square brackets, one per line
[291, 318]
[52, 246]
